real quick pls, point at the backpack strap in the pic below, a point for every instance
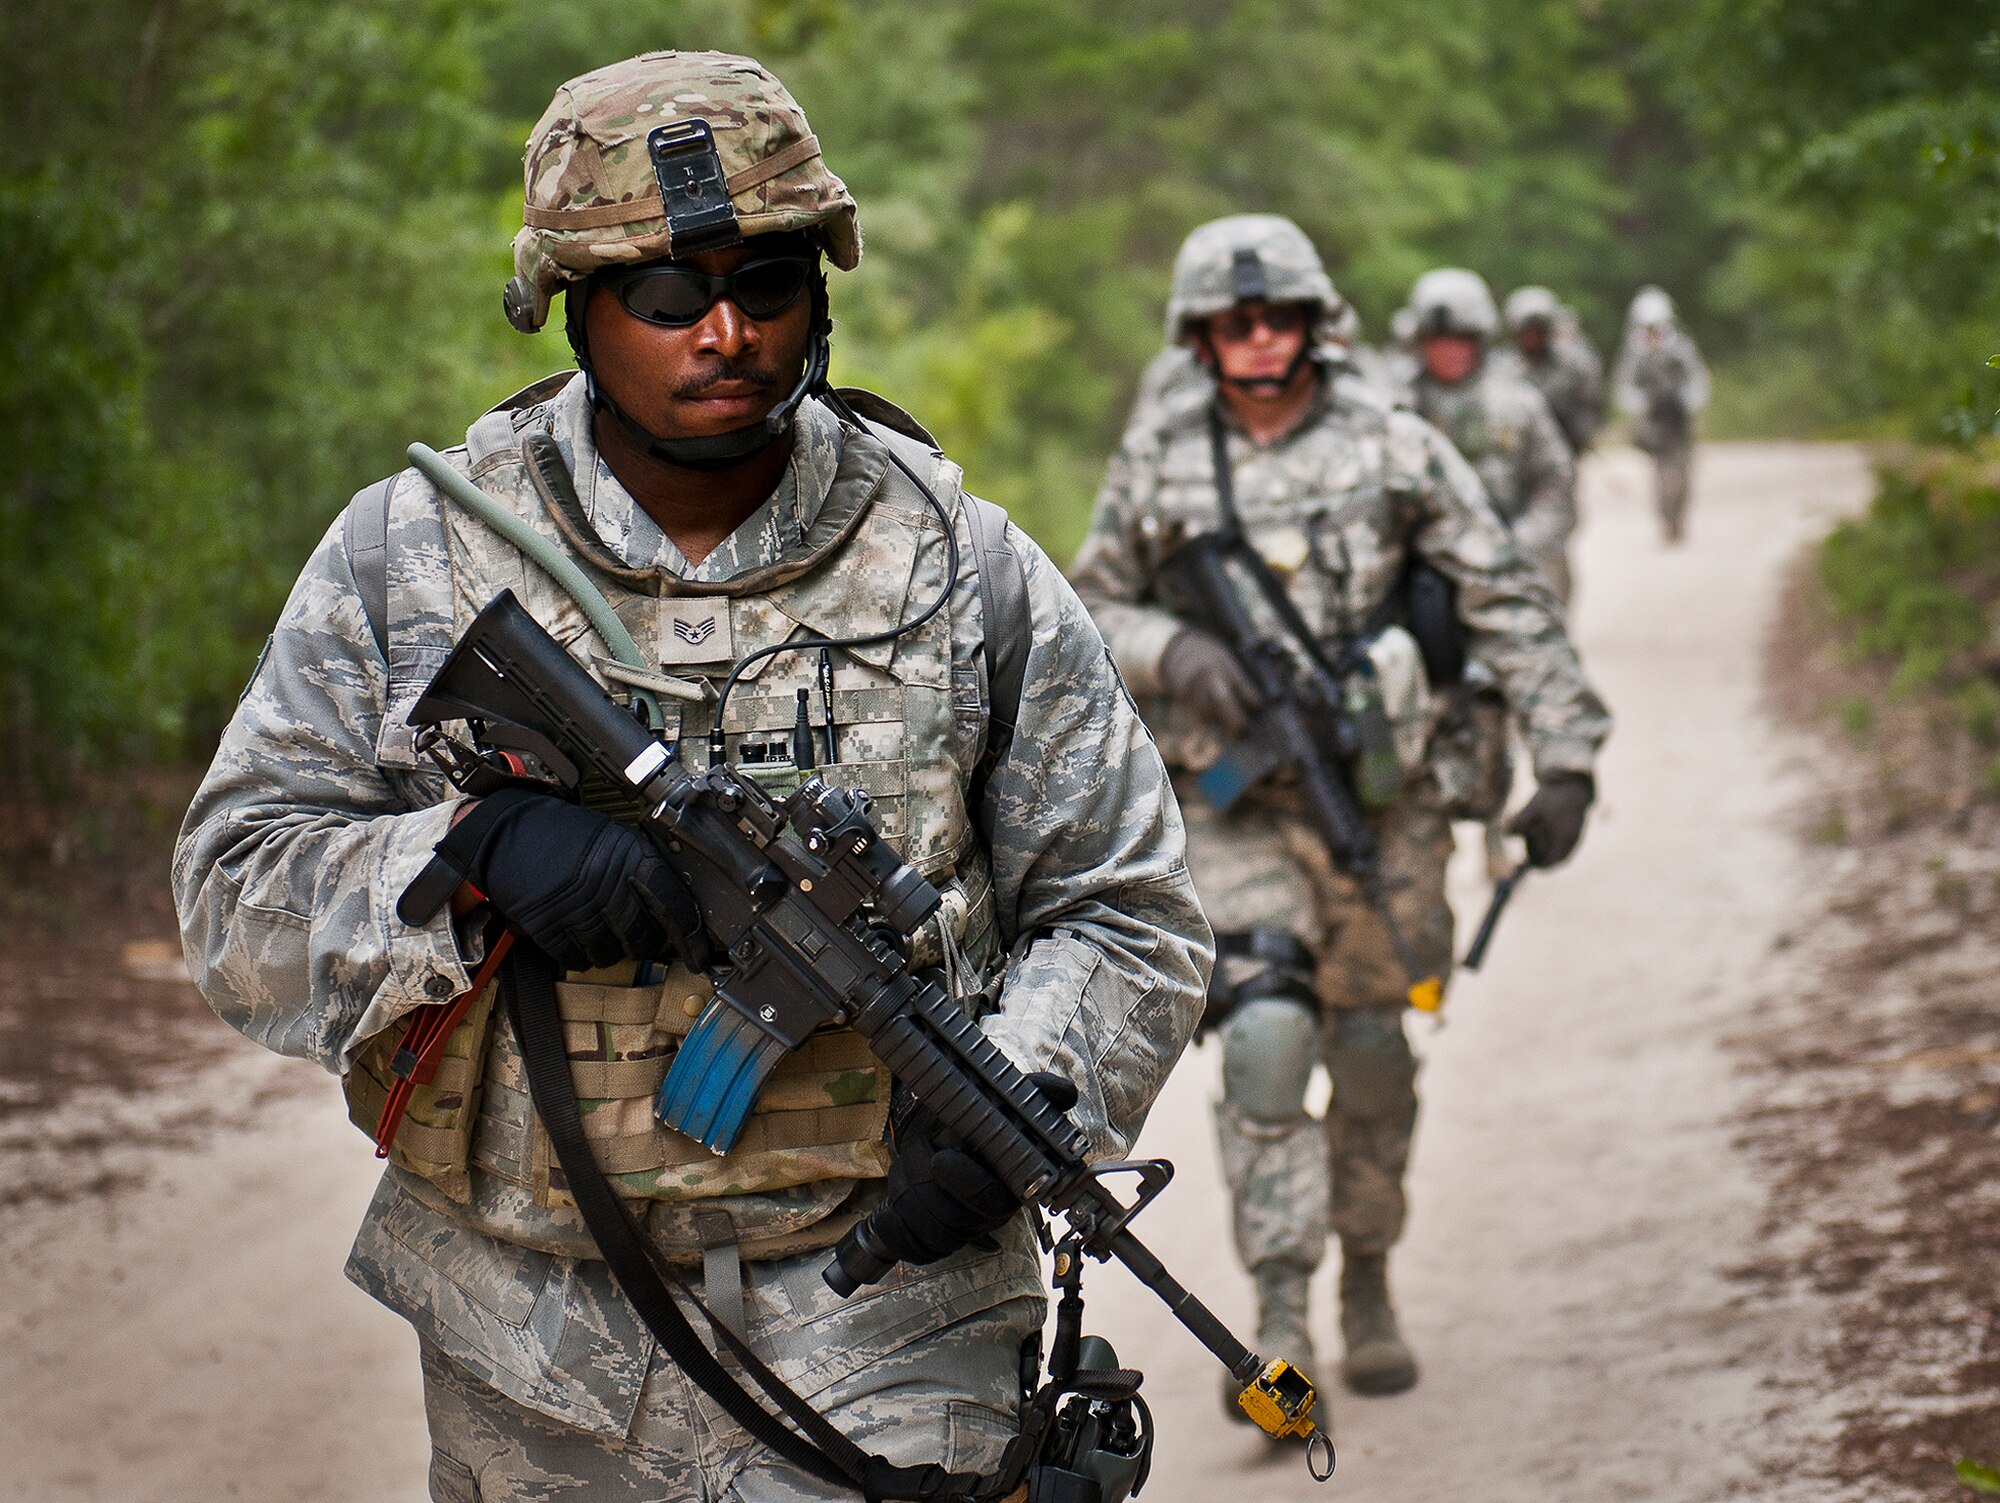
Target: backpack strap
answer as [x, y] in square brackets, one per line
[491, 434]
[1003, 579]
[364, 533]
[1003, 608]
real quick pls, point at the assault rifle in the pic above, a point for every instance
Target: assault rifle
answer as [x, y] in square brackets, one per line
[809, 911]
[1304, 724]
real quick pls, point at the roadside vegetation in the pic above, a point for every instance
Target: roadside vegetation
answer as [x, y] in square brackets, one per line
[1914, 587]
[1875, 1050]
[261, 246]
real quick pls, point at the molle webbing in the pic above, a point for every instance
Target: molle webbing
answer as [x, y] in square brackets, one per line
[821, 1116]
[434, 1138]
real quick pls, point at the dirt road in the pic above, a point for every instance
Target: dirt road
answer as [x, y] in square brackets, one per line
[186, 1335]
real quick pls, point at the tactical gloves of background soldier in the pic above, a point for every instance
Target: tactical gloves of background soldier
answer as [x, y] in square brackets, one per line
[1552, 821]
[1202, 674]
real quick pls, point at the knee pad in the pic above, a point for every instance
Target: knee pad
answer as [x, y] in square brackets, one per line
[1254, 963]
[1368, 1057]
[1268, 1047]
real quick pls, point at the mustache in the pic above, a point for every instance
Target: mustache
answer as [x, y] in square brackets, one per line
[753, 373]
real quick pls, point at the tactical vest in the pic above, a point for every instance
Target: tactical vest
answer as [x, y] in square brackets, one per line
[1491, 437]
[908, 730]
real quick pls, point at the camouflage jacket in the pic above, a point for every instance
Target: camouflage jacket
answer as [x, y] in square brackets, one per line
[1662, 385]
[313, 818]
[1570, 378]
[1505, 430]
[1338, 506]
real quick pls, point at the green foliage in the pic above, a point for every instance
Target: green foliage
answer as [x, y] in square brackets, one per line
[1916, 582]
[252, 246]
[1857, 716]
[1859, 141]
[1976, 1476]
[262, 243]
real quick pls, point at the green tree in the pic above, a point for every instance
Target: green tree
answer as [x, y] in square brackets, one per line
[255, 246]
[1860, 143]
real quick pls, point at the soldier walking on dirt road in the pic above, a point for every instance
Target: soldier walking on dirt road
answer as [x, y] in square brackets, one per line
[1340, 495]
[1552, 352]
[1661, 383]
[698, 494]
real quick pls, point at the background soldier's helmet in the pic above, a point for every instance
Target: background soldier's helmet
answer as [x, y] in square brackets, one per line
[1247, 258]
[1531, 305]
[1452, 300]
[593, 199]
[1651, 308]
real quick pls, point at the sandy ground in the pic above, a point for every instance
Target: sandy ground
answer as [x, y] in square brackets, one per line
[184, 1333]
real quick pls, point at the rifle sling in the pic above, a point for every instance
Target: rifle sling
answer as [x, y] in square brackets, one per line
[816, 1446]
[1268, 584]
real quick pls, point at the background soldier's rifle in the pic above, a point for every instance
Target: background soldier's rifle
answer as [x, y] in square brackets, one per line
[1304, 725]
[809, 911]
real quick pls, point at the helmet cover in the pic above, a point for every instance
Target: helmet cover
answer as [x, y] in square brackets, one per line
[1651, 308]
[1245, 258]
[592, 195]
[1526, 305]
[1454, 301]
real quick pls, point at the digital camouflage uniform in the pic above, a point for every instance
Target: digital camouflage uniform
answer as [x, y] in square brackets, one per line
[1661, 383]
[1507, 432]
[1337, 506]
[1567, 372]
[1064, 878]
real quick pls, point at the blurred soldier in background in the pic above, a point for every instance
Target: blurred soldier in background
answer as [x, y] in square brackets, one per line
[1506, 431]
[1553, 353]
[1661, 384]
[1340, 494]
[1399, 355]
[1495, 418]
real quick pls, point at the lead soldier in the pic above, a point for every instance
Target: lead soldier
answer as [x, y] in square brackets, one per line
[699, 472]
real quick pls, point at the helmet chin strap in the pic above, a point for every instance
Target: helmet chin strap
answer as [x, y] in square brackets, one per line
[1265, 385]
[711, 451]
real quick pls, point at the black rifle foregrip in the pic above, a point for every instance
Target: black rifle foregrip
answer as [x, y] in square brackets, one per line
[962, 1078]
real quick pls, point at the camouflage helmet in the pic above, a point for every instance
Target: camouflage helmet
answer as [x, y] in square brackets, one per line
[1651, 308]
[596, 194]
[1245, 258]
[1452, 300]
[1530, 305]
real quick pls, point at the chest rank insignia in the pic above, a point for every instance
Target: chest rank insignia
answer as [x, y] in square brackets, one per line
[695, 631]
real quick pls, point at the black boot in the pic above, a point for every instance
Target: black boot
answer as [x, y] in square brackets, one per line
[1378, 1360]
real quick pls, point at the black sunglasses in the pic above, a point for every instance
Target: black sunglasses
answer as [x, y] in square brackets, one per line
[679, 296]
[1239, 323]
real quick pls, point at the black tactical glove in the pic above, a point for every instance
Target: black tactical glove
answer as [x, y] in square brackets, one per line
[585, 889]
[942, 1198]
[1552, 821]
[1200, 673]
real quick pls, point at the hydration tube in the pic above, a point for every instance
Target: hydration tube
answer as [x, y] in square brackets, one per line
[552, 560]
